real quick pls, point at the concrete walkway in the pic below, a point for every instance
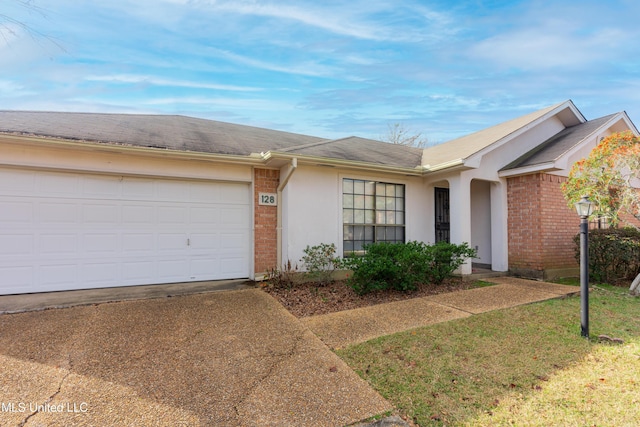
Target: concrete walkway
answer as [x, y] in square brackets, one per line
[341, 329]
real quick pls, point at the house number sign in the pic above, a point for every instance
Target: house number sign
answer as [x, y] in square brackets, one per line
[267, 199]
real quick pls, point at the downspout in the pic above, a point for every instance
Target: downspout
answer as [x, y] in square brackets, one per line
[283, 183]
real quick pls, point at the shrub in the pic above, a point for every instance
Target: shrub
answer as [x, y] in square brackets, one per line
[282, 278]
[403, 266]
[320, 262]
[614, 254]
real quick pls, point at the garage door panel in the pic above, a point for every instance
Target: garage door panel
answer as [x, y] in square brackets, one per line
[101, 187]
[58, 184]
[233, 217]
[57, 244]
[172, 242]
[15, 213]
[232, 266]
[73, 231]
[171, 215]
[134, 271]
[53, 276]
[17, 182]
[232, 241]
[138, 188]
[174, 270]
[101, 213]
[172, 191]
[100, 243]
[139, 242]
[205, 241]
[205, 267]
[230, 196]
[101, 274]
[64, 212]
[138, 215]
[208, 217]
[16, 278]
[13, 245]
[201, 191]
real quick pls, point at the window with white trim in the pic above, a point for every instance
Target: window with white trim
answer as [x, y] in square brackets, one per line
[371, 212]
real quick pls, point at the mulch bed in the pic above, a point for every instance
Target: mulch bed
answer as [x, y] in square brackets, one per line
[309, 299]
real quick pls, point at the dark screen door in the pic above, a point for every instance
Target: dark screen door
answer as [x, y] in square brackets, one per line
[442, 215]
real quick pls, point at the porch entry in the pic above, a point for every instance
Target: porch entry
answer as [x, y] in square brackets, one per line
[442, 223]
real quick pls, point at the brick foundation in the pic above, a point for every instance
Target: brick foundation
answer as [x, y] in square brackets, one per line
[541, 226]
[265, 221]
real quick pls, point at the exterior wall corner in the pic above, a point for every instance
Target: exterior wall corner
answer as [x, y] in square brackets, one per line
[265, 221]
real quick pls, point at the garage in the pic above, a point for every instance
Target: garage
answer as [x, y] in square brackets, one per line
[68, 230]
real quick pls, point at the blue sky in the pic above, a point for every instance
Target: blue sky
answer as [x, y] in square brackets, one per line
[324, 68]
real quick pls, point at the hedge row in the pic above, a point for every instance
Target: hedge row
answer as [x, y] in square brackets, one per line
[614, 254]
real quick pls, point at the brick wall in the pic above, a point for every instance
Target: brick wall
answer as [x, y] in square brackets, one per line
[560, 224]
[541, 226]
[265, 221]
[525, 242]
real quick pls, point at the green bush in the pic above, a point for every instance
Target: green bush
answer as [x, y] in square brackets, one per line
[403, 266]
[320, 262]
[614, 254]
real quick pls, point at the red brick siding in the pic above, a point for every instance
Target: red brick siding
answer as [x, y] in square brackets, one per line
[265, 221]
[560, 223]
[541, 226]
[525, 244]
[627, 219]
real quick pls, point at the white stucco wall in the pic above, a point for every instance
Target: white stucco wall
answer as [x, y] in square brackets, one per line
[312, 208]
[481, 220]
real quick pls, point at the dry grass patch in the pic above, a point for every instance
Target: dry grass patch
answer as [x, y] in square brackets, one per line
[512, 365]
[603, 389]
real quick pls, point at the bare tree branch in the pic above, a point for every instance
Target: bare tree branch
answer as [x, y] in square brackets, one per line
[9, 24]
[397, 133]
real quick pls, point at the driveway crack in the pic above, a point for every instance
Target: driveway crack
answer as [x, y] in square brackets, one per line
[43, 406]
[280, 359]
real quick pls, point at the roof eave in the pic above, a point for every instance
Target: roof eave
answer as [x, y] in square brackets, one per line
[251, 159]
[527, 170]
[445, 165]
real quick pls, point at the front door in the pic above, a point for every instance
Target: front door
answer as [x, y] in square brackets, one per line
[442, 214]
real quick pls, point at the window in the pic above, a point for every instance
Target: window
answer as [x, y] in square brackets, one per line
[371, 212]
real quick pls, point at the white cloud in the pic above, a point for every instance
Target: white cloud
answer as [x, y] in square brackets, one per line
[311, 15]
[220, 102]
[159, 81]
[10, 88]
[307, 68]
[548, 47]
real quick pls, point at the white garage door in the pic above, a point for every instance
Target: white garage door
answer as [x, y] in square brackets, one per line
[62, 231]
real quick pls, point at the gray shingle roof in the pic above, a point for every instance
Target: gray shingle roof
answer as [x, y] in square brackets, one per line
[158, 131]
[199, 135]
[362, 150]
[559, 144]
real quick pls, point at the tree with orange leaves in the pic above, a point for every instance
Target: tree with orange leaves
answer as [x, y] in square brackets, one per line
[610, 176]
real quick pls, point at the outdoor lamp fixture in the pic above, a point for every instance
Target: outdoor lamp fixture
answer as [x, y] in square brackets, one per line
[584, 208]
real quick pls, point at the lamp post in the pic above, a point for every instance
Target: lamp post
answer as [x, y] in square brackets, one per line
[584, 208]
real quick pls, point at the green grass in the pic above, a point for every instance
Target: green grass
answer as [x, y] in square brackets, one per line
[481, 284]
[522, 366]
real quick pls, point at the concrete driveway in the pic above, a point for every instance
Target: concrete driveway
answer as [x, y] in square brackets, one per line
[224, 358]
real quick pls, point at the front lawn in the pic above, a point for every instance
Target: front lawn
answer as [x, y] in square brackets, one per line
[522, 366]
